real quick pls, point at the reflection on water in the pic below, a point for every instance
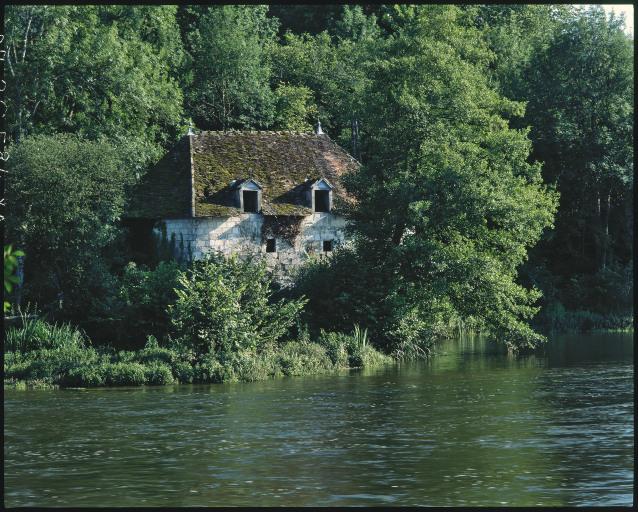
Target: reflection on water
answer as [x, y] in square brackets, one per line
[472, 426]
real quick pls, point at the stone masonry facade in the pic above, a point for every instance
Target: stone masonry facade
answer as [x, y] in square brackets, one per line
[242, 235]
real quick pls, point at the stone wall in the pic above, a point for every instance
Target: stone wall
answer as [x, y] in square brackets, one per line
[242, 234]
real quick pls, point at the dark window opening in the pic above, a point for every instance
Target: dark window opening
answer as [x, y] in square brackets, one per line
[327, 245]
[271, 246]
[322, 200]
[250, 201]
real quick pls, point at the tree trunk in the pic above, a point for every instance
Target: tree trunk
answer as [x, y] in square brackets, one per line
[606, 224]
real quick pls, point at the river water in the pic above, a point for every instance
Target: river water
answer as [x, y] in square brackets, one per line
[472, 426]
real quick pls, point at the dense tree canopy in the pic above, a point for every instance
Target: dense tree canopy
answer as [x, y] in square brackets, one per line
[93, 70]
[230, 87]
[575, 71]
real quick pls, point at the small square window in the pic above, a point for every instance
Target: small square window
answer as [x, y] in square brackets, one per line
[327, 245]
[271, 246]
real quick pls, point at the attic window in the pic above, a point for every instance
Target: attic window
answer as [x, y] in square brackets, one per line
[271, 246]
[327, 245]
[250, 201]
[322, 200]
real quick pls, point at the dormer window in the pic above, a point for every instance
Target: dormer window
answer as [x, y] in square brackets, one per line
[250, 200]
[320, 193]
[322, 200]
[248, 195]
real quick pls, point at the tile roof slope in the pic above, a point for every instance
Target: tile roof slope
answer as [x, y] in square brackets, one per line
[164, 192]
[281, 162]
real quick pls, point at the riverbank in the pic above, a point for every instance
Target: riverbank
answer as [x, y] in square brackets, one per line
[50, 356]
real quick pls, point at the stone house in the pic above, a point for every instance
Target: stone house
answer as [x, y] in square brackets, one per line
[275, 194]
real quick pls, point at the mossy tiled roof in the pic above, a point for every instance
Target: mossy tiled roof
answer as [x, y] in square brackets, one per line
[283, 163]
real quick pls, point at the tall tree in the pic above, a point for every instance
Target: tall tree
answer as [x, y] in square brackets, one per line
[448, 202]
[65, 195]
[580, 105]
[93, 70]
[231, 71]
[333, 67]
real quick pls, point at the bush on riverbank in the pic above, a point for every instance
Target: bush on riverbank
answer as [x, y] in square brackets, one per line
[72, 362]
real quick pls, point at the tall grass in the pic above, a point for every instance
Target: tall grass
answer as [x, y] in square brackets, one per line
[35, 334]
[360, 336]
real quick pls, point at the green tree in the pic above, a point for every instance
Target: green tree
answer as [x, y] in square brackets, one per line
[333, 67]
[230, 69]
[580, 106]
[448, 203]
[64, 198]
[295, 109]
[93, 70]
[574, 68]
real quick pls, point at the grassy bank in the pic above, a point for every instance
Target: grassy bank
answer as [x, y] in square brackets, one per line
[42, 355]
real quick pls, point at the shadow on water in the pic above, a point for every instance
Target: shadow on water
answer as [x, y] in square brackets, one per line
[471, 426]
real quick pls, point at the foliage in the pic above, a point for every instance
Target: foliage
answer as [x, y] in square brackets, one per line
[125, 374]
[93, 70]
[230, 86]
[223, 306]
[46, 360]
[351, 351]
[574, 67]
[295, 108]
[35, 334]
[158, 374]
[451, 202]
[85, 376]
[303, 358]
[10, 265]
[334, 70]
[64, 196]
[145, 296]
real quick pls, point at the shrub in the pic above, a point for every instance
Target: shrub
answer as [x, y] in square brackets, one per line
[223, 306]
[158, 374]
[16, 366]
[351, 351]
[336, 346]
[163, 355]
[51, 365]
[296, 358]
[413, 337]
[125, 374]
[250, 367]
[124, 356]
[183, 372]
[208, 370]
[86, 376]
[145, 295]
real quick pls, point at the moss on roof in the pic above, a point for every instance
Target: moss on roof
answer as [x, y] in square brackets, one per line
[282, 163]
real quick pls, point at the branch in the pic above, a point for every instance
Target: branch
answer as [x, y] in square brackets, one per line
[26, 37]
[9, 62]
